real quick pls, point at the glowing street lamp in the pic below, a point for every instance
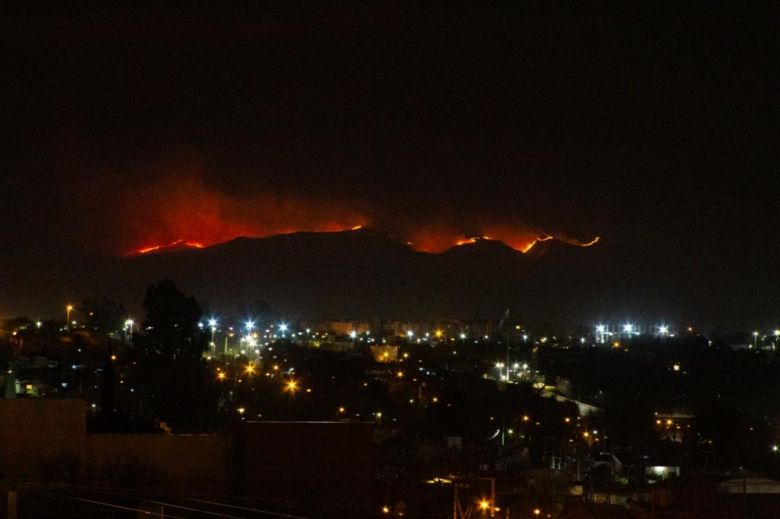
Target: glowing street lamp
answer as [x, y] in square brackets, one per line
[249, 325]
[128, 329]
[601, 330]
[755, 339]
[213, 326]
[663, 330]
[68, 310]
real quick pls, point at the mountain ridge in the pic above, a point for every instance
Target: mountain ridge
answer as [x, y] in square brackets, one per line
[357, 274]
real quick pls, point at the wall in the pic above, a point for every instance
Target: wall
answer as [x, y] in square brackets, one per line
[199, 463]
[33, 430]
[313, 463]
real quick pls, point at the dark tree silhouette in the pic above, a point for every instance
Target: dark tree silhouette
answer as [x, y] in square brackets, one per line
[175, 384]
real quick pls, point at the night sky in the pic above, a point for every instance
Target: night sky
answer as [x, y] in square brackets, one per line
[653, 129]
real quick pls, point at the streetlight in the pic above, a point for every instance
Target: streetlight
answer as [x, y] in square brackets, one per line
[128, 329]
[68, 309]
[755, 339]
[213, 325]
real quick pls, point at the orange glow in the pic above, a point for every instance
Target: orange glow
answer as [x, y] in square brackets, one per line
[179, 242]
[181, 209]
[594, 241]
[577, 243]
[431, 245]
[529, 246]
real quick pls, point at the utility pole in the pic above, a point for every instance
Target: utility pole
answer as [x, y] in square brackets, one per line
[455, 502]
[492, 497]
[457, 509]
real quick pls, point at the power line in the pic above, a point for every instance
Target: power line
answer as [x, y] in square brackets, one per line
[236, 507]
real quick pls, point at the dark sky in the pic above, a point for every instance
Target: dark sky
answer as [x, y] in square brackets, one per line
[655, 129]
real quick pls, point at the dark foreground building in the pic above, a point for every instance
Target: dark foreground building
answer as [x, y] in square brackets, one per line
[58, 469]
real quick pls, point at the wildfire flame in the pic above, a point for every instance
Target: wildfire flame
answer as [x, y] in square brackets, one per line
[182, 210]
[179, 242]
[466, 241]
[592, 242]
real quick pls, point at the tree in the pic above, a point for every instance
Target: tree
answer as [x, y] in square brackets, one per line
[175, 386]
